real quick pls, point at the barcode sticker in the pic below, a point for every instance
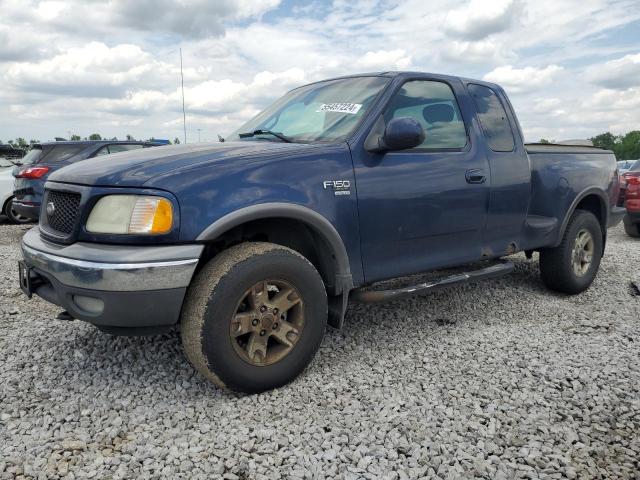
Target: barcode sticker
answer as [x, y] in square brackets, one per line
[351, 108]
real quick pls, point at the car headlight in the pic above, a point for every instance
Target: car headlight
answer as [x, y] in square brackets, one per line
[131, 214]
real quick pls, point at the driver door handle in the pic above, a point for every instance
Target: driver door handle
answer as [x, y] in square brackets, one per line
[475, 175]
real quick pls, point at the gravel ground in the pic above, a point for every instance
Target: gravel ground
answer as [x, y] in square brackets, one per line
[498, 380]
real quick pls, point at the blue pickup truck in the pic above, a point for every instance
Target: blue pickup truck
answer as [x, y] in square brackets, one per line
[254, 244]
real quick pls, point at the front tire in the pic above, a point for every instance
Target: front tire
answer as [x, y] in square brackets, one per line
[254, 317]
[571, 266]
[632, 229]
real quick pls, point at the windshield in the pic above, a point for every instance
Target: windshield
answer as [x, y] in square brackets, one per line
[325, 111]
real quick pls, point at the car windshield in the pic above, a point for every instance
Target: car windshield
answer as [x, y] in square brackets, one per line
[320, 112]
[635, 167]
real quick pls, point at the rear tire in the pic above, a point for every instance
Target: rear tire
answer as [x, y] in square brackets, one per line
[254, 317]
[12, 215]
[632, 229]
[572, 266]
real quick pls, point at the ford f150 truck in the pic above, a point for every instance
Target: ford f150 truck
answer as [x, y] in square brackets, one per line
[252, 245]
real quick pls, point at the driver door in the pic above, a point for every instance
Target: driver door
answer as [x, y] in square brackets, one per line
[425, 207]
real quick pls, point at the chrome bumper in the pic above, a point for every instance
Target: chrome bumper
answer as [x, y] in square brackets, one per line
[112, 277]
[116, 287]
[156, 268]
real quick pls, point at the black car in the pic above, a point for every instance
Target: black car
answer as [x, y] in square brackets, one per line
[44, 158]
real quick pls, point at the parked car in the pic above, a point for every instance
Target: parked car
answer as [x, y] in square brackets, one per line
[6, 191]
[634, 166]
[11, 152]
[632, 200]
[45, 158]
[254, 244]
[625, 165]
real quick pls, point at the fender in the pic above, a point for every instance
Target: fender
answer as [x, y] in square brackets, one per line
[319, 223]
[581, 196]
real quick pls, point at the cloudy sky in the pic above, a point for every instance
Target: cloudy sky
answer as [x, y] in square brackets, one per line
[571, 67]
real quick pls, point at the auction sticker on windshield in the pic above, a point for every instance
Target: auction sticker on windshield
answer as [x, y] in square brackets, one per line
[351, 108]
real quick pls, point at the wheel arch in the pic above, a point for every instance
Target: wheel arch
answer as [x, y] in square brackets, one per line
[5, 203]
[331, 259]
[592, 199]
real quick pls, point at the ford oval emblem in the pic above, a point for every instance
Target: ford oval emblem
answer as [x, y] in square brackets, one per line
[51, 208]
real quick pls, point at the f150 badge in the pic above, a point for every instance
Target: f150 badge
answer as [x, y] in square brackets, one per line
[339, 187]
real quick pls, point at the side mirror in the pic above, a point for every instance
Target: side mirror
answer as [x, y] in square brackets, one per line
[400, 134]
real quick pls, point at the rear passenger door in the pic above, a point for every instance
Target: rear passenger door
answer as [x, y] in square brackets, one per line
[510, 171]
[425, 207]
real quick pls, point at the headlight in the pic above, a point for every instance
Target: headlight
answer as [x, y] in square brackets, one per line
[131, 214]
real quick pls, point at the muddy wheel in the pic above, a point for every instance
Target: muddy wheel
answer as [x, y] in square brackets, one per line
[254, 317]
[571, 266]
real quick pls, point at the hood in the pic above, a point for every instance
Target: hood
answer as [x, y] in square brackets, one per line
[136, 167]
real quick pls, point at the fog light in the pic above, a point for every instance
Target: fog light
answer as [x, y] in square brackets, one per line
[89, 304]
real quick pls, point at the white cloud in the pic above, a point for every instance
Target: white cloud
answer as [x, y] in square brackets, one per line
[481, 18]
[93, 70]
[384, 60]
[523, 79]
[113, 67]
[619, 73]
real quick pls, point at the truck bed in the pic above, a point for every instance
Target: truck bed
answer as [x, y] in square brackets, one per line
[560, 148]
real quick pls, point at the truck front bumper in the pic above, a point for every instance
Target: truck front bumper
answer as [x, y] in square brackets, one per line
[107, 285]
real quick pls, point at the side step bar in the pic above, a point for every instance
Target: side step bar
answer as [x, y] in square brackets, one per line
[375, 296]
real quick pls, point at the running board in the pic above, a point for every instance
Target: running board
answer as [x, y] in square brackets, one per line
[375, 296]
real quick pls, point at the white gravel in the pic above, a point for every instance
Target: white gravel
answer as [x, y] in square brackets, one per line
[498, 380]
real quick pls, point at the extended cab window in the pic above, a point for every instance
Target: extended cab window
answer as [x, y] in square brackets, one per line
[493, 118]
[434, 106]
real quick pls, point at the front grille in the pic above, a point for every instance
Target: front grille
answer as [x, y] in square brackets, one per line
[62, 210]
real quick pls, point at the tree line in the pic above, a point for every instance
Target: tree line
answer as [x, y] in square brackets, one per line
[625, 147]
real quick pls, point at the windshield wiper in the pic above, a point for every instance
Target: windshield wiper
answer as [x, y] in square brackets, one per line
[282, 137]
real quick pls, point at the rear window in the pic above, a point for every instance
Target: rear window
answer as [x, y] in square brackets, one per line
[117, 148]
[493, 118]
[59, 153]
[51, 153]
[32, 156]
[635, 167]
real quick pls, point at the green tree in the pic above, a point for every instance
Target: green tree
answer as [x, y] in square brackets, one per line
[544, 140]
[33, 140]
[130, 137]
[629, 146]
[75, 138]
[176, 140]
[605, 140]
[95, 136]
